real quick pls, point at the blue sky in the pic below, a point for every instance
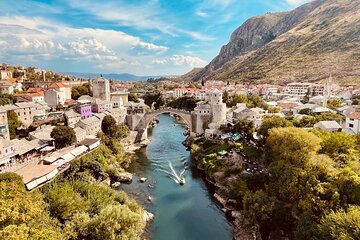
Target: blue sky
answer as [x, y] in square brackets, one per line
[153, 37]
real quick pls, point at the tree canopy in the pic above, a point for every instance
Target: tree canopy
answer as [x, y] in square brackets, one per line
[185, 103]
[63, 136]
[113, 130]
[13, 122]
[79, 91]
[272, 122]
[154, 98]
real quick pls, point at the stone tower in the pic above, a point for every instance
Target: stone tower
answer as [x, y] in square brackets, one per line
[101, 88]
[218, 108]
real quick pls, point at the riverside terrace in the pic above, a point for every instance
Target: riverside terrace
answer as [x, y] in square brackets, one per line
[40, 163]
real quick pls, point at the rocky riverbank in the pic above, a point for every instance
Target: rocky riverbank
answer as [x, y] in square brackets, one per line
[242, 229]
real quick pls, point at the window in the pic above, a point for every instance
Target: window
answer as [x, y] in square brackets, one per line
[351, 119]
[351, 125]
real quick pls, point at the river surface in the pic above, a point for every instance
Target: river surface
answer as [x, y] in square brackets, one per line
[182, 212]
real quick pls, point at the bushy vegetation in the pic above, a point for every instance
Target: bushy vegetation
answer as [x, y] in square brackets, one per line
[185, 103]
[113, 130]
[79, 91]
[251, 101]
[313, 189]
[74, 206]
[6, 99]
[154, 99]
[63, 136]
[13, 122]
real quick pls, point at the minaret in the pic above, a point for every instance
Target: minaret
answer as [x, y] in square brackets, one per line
[327, 90]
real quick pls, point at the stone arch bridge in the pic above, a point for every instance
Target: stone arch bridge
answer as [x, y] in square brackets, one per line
[144, 123]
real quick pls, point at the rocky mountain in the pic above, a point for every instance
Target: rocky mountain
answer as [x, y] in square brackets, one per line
[305, 44]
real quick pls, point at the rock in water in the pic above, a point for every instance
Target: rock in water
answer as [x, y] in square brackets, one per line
[143, 179]
[125, 177]
[115, 184]
[148, 216]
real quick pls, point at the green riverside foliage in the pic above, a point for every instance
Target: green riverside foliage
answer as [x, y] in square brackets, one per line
[312, 190]
[272, 122]
[73, 206]
[23, 214]
[13, 122]
[113, 130]
[185, 103]
[63, 136]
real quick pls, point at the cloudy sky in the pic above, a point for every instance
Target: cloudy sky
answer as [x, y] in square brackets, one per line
[153, 37]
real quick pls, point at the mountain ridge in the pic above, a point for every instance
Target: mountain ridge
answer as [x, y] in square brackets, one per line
[113, 76]
[305, 44]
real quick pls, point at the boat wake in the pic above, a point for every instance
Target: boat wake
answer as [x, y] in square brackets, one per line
[180, 179]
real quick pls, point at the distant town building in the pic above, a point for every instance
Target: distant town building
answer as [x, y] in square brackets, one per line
[330, 126]
[353, 122]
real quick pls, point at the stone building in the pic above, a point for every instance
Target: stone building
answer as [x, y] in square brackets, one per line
[119, 98]
[212, 112]
[101, 88]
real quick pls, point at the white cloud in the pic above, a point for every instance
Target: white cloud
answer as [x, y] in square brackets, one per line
[159, 61]
[37, 38]
[201, 14]
[181, 60]
[142, 16]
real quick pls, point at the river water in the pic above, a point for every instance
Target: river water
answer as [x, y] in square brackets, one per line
[182, 212]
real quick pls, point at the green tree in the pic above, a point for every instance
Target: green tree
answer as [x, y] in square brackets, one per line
[305, 121]
[225, 96]
[113, 130]
[133, 98]
[235, 99]
[23, 214]
[63, 136]
[13, 122]
[79, 91]
[64, 202]
[259, 206]
[341, 225]
[273, 109]
[185, 103]
[294, 145]
[272, 122]
[245, 126]
[154, 98]
[334, 103]
[306, 111]
[338, 145]
[108, 126]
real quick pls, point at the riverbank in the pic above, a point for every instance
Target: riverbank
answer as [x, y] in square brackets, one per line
[183, 211]
[223, 181]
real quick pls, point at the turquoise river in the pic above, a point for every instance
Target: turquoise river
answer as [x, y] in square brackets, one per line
[182, 212]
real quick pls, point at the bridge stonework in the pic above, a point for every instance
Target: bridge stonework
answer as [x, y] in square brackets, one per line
[144, 123]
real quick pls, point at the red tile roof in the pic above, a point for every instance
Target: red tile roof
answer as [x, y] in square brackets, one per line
[34, 90]
[354, 115]
[11, 80]
[57, 85]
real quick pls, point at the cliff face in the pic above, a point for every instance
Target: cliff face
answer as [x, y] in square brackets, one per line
[306, 44]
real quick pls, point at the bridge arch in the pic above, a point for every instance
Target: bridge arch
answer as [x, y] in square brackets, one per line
[186, 116]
